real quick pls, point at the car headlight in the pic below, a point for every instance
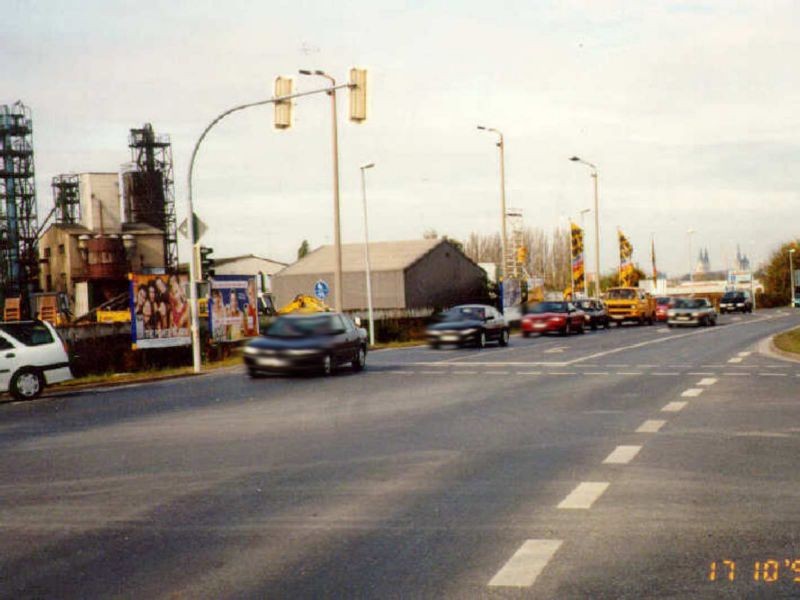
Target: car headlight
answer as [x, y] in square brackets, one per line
[695, 314]
[469, 331]
[740, 304]
[250, 350]
[587, 318]
[670, 313]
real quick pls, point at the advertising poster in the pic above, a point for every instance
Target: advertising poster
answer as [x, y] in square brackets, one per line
[159, 311]
[233, 308]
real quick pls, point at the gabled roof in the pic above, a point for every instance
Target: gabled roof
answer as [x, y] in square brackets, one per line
[383, 256]
[230, 259]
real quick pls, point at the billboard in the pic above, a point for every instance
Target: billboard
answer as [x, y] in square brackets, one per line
[159, 311]
[233, 308]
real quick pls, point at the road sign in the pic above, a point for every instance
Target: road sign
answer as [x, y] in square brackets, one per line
[321, 289]
[199, 228]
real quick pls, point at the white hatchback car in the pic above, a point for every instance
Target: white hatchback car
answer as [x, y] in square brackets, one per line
[32, 355]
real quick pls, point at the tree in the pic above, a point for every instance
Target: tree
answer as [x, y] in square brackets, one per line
[303, 250]
[774, 275]
[611, 279]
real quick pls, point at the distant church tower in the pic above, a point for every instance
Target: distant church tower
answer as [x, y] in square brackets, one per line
[742, 262]
[703, 262]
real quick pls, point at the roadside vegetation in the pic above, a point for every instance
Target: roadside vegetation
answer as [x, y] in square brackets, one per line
[789, 341]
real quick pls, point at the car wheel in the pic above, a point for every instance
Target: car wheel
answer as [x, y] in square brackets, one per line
[254, 374]
[27, 384]
[619, 323]
[504, 337]
[593, 326]
[567, 330]
[526, 334]
[434, 345]
[360, 360]
[582, 330]
[670, 325]
[713, 322]
[327, 365]
[482, 340]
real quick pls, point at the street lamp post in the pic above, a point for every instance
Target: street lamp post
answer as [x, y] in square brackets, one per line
[689, 234]
[337, 230]
[791, 274]
[503, 240]
[596, 224]
[363, 168]
[585, 278]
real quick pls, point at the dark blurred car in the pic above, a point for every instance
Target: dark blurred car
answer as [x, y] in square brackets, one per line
[663, 304]
[692, 311]
[736, 302]
[468, 324]
[307, 342]
[561, 317]
[595, 311]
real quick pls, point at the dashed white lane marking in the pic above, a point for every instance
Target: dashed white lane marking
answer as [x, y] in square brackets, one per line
[562, 373]
[497, 373]
[617, 366]
[622, 455]
[738, 374]
[692, 393]
[434, 373]
[772, 374]
[665, 374]
[556, 350]
[744, 354]
[651, 426]
[529, 372]
[735, 359]
[528, 562]
[595, 372]
[465, 372]
[646, 366]
[629, 372]
[674, 406]
[583, 496]
[398, 372]
[707, 381]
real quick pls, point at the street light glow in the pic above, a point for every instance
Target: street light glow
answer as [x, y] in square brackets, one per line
[367, 166]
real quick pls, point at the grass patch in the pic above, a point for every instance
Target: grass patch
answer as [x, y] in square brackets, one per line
[406, 344]
[149, 374]
[789, 341]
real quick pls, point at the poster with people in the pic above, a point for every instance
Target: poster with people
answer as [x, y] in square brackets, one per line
[159, 311]
[233, 308]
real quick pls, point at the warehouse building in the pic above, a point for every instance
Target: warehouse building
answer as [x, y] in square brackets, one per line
[416, 274]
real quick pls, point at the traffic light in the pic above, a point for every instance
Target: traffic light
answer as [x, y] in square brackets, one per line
[206, 263]
[284, 86]
[358, 95]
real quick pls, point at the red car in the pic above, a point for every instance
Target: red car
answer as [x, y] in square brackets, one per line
[561, 317]
[663, 304]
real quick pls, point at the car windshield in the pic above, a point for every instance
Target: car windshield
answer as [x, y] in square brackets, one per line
[690, 303]
[621, 294]
[298, 327]
[663, 300]
[464, 313]
[585, 304]
[30, 334]
[733, 296]
[546, 307]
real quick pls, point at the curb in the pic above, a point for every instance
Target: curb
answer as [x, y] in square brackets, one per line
[767, 347]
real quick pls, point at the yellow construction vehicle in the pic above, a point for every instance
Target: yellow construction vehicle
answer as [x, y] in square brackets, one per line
[304, 304]
[630, 304]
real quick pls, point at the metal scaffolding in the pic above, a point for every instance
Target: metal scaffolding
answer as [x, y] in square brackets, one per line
[150, 189]
[67, 199]
[19, 264]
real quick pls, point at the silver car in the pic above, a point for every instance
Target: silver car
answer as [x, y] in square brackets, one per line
[691, 311]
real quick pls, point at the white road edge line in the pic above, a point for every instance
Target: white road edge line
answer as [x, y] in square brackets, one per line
[528, 562]
[622, 455]
[651, 426]
[583, 496]
[692, 393]
[674, 406]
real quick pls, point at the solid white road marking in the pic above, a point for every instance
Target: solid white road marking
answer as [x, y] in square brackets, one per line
[692, 393]
[707, 381]
[622, 455]
[735, 359]
[528, 562]
[674, 406]
[651, 426]
[583, 496]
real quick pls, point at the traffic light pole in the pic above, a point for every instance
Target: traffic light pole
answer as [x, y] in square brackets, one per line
[193, 308]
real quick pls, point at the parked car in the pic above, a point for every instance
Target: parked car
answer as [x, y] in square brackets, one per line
[595, 311]
[32, 356]
[736, 302]
[692, 311]
[319, 342]
[663, 304]
[552, 316]
[474, 324]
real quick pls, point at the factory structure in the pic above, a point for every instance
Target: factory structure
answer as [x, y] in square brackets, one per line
[102, 226]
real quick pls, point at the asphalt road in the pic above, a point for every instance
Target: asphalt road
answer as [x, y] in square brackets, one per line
[636, 463]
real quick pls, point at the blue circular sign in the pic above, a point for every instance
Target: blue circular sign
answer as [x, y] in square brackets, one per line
[321, 289]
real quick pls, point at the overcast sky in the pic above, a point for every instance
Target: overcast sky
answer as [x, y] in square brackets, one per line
[689, 109]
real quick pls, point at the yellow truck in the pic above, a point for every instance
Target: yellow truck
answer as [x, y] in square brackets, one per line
[630, 304]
